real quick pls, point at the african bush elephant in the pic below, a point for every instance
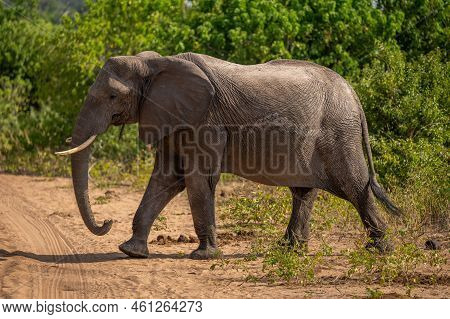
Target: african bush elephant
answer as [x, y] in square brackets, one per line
[285, 122]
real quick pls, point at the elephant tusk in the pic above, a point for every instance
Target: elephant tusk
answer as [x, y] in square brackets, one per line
[78, 148]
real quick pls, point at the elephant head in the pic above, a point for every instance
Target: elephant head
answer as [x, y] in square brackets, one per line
[149, 89]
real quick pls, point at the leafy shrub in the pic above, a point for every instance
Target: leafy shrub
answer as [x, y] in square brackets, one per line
[284, 263]
[331, 212]
[374, 293]
[108, 28]
[418, 175]
[136, 172]
[406, 99]
[24, 45]
[262, 211]
[424, 24]
[13, 97]
[399, 266]
[406, 104]
[26, 134]
[328, 32]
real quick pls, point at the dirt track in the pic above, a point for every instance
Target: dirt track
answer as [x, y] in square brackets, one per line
[47, 252]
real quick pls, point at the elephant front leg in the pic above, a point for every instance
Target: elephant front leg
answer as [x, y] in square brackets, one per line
[200, 191]
[163, 186]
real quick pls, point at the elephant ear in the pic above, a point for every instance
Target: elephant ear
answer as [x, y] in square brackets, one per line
[177, 96]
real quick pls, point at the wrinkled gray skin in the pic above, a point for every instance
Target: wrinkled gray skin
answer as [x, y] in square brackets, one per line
[310, 104]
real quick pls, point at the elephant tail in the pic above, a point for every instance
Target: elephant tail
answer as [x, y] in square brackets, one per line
[377, 189]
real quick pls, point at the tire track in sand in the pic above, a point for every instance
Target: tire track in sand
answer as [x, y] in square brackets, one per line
[53, 267]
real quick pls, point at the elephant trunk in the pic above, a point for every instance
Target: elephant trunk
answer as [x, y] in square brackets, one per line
[80, 176]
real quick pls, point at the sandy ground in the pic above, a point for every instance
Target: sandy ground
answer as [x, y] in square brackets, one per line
[47, 252]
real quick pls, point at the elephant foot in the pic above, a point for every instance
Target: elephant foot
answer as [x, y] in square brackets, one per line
[135, 248]
[206, 253]
[381, 244]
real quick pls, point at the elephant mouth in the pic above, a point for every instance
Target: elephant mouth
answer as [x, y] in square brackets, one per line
[117, 119]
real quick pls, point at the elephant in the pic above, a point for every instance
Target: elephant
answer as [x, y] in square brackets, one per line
[285, 123]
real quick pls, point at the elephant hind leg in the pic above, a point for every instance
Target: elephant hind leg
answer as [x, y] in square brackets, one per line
[297, 232]
[364, 202]
[350, 180]
[359, 193]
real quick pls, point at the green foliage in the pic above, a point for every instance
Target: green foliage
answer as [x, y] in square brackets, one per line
[374, 293]
[407, 99]
[108, 28]
[284, 263]
[328, 32]
[134, 172]
[24, 42]
[26, 133]
[264, 214]
[258, 212]
[343, 35]
[424, 24]
[399, 266]
[418, 175]
[406, 104]
[331, 212]
[53, 10]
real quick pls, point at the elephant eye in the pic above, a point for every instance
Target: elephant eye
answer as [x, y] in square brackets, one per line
[112, 96]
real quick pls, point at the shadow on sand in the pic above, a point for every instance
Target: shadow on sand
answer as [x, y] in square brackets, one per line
[92, 257]
[80, 258]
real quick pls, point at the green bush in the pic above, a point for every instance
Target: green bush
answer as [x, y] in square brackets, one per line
[24, 44]
[261, 212]
[328, 32]
[406, 99]
[283, 263]
[25, 134]
[424, 24]
[406, 104]
[400, 266]
[107, 28]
